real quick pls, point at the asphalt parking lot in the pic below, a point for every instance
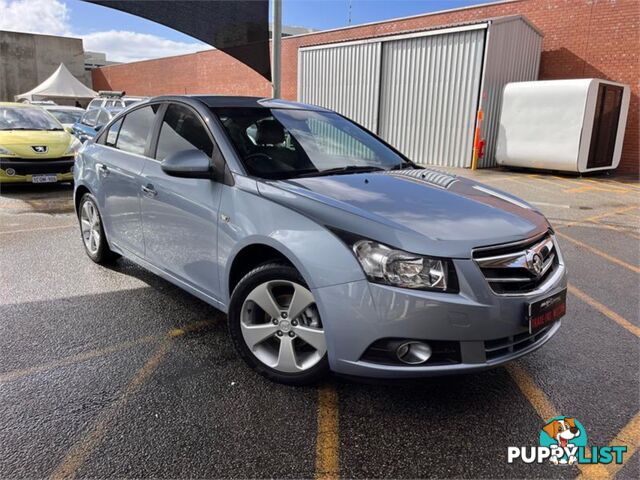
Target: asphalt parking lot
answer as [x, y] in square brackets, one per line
[115, 372]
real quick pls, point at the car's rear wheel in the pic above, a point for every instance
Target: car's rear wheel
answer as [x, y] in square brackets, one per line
[275, 326]
[93, 237]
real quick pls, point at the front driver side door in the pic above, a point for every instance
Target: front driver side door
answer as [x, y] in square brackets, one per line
[180, 215]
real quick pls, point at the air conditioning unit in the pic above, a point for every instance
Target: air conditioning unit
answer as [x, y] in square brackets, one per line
[570, 125]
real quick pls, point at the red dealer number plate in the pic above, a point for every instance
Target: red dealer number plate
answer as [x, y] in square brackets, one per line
[546, 311]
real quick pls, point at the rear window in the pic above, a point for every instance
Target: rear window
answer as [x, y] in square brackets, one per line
[90, 117]
[95, 103]
[103, 118]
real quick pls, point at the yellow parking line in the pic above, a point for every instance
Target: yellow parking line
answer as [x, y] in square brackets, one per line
[37, 229]
[600, 216]
[606, 311]
[328, 439]
[99, 352]
[537, 398]
[80, 452]
[602, 254]
[81, 357]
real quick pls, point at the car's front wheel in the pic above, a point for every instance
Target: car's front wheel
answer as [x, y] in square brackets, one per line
[276, 327]
[93, 237]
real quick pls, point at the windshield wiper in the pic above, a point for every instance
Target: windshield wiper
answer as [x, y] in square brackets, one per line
[341, 170]
[16, 128]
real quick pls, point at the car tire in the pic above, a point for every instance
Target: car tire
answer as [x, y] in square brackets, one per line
[307, 363]
[92, 231]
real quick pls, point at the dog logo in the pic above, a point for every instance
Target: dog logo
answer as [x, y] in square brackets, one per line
[40, 148]
[568, 434]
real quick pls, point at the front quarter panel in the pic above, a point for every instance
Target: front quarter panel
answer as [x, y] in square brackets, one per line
[320, 257]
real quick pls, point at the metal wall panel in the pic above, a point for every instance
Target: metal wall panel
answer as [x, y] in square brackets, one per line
[512, 55]
[421, 91]
[429, 96]
[343, 78]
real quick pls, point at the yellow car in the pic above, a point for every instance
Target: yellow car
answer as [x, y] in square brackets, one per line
[34, 146]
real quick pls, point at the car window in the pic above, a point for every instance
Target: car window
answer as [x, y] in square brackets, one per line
[27, 118]
[90, 117]
[135, 130]
[109, 103]
[112, 134]
[182, 129]
[103, 118]
[66, 116]
[282, 143]
[95, 103]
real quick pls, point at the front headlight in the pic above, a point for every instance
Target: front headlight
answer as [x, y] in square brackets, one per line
[74, 146]
[386, 265]
[5, 151]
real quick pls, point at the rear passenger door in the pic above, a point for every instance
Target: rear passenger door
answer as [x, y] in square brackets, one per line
[127, 142]
[179, 215]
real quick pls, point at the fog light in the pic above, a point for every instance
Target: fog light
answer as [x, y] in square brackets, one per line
[413, 353]
[10, 172]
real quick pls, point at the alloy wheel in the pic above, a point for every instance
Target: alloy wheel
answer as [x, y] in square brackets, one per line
[281, 326]
[90, 226]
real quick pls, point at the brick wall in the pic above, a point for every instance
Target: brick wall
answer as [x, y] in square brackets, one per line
[582, 38]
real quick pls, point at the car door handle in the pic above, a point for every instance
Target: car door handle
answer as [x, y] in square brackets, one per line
[148, 190]
[104, 170]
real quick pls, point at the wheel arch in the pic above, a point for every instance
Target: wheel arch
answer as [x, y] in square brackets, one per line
[251, 256]
[80, 191]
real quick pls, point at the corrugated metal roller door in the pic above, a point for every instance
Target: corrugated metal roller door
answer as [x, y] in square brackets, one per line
[343, 78]
[429, 96]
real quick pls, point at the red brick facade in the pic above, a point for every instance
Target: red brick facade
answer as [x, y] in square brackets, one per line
[582, 38]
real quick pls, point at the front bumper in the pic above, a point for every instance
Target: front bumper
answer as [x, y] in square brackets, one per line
[484, 328]
[19, 170]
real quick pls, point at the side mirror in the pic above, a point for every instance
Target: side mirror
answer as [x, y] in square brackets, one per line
[68, 130]
[97, 128]
[190, 163]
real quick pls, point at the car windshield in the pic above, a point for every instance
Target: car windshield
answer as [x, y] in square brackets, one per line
[287, 143]
[27, 118]
[66, 116]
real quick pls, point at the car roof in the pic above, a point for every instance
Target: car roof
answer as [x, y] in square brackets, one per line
[18, 105]
[62, 107]
[225, 101]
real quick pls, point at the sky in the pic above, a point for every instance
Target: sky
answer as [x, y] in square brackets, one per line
[126, 38]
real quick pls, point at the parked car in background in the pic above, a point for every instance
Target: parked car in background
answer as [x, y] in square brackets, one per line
[91, 122]
[109, 99]
[67, 116]
[327, 247]
[34, 146]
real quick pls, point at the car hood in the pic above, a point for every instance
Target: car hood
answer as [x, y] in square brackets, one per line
[21, 142]
[424, 211]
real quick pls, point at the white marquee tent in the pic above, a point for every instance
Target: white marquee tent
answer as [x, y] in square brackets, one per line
[61, 85]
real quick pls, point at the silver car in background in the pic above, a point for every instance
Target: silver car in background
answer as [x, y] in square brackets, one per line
[327, 248]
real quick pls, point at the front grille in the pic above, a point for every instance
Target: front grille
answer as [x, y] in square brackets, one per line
[500, 347]
[518, 268]
[29, 167]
